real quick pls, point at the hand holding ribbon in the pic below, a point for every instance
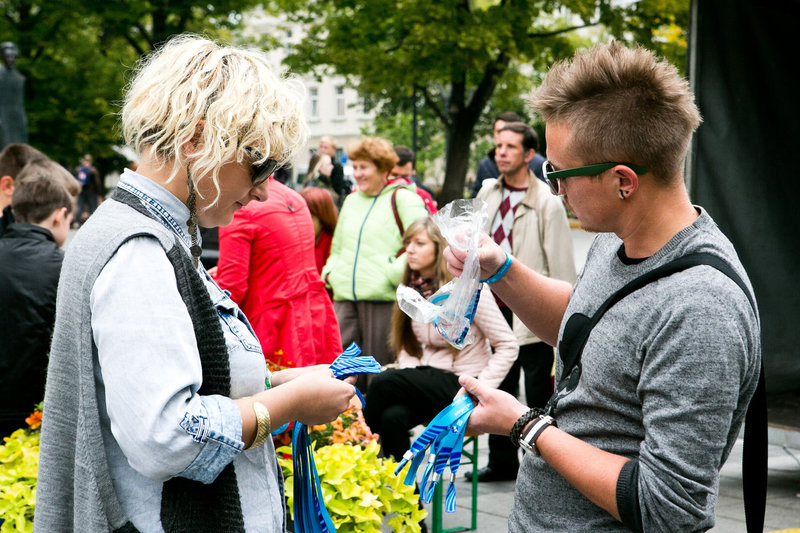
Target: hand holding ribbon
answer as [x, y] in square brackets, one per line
[444, 435]
[310, 514]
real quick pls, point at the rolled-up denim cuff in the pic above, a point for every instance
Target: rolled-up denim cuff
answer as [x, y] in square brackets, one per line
[219, 430]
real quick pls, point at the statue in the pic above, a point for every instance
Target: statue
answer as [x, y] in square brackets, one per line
[13, 122]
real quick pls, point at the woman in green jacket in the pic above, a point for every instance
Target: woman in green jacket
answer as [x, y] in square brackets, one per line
[367, 261]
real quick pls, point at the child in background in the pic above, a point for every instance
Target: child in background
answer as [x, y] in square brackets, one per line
[30, 263]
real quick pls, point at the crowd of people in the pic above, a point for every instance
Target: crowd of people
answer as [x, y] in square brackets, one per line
[162, 378]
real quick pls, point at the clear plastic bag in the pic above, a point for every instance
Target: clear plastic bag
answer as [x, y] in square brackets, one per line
[452, 307]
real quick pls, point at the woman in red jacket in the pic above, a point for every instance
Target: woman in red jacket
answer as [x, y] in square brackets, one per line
[266, 261]
[325, 215]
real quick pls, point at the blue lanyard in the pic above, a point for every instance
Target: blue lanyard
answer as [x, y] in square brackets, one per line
[310, 513]
[444, 435]
[469, 318]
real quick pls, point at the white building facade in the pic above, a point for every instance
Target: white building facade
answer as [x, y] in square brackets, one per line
[332, 109]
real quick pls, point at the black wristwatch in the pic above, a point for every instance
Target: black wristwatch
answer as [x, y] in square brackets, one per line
[528, 440]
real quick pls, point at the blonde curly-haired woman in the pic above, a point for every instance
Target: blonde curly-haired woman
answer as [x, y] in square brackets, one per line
[158, 404]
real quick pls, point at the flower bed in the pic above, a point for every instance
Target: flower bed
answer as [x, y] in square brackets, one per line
[19, 466]
[360, 489]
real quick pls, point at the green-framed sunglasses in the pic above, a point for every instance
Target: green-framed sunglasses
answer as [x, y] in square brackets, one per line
[552, 175]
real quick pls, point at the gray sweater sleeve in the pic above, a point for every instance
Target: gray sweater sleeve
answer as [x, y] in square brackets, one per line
[696, 362]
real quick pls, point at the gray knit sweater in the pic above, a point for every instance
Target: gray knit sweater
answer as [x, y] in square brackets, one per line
[75, 491]
[667, 375]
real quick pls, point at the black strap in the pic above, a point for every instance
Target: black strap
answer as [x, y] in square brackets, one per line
[754, 452]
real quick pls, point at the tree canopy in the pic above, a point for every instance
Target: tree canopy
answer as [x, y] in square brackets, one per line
[457, 55]
[75, 55]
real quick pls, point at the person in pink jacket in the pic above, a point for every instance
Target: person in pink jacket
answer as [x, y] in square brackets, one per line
[266, 261]
[424, 378]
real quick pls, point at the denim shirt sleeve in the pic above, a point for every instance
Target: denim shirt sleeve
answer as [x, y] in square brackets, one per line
[215, 430]
[150, 370]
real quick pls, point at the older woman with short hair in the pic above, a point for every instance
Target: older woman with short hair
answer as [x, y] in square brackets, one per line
[158, 403]
[367, 260]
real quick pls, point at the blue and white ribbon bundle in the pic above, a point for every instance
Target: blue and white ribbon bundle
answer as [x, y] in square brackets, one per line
[310, 514]
[452, 308]
[444, 437]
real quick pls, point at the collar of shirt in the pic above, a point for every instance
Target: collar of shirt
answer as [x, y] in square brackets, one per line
[160, 202]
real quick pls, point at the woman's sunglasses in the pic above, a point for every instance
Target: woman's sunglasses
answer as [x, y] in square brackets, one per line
[262, 171]
[553, 176]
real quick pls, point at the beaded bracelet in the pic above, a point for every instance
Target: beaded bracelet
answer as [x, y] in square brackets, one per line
[501, 272]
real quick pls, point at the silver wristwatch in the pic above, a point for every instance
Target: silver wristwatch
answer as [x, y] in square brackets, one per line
[528, 440]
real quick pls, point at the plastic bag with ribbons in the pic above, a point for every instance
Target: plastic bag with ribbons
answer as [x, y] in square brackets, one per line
[452, 308]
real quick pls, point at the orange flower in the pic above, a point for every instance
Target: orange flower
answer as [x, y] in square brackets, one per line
[34, 420]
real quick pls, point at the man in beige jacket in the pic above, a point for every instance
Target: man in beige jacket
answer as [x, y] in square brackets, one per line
[531, 224]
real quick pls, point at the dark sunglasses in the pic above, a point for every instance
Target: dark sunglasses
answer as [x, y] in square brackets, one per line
[552, 175]
[262, 171]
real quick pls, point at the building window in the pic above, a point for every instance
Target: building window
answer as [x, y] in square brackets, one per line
[340, 101]
[313, 95]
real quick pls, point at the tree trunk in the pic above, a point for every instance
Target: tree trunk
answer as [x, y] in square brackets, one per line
[459, 136]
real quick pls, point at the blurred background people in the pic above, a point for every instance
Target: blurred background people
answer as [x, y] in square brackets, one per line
[327, 146]
[91, 189]
[531, 224]
[30, 264]
[320, 168]
[267, 263]
[325, 216]
[367, 261]
[405, 173]
[424, 378]
[13, 159]
[487, 168]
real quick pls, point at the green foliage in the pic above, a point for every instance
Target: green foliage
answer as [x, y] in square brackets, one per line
[75, 56]
[465, 59]
[360, 489]
[19, 466]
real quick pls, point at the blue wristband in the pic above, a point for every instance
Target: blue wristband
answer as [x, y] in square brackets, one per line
[500, 273]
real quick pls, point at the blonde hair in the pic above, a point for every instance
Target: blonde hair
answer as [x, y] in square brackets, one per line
[623, 105]
[401, 336]
[226, 100]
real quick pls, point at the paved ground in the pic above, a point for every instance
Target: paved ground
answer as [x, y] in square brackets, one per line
[783, 494]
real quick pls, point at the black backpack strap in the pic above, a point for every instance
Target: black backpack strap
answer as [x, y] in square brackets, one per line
[754, 452]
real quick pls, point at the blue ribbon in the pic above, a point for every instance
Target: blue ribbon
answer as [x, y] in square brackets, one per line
[310, 513]
[470, 316]
[444, 435]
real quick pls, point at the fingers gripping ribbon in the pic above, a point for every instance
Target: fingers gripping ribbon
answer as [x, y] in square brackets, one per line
[310, 514]
[444, 437]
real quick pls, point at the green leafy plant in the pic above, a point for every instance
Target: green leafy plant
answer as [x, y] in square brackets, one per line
[19, 467]
[360, 489]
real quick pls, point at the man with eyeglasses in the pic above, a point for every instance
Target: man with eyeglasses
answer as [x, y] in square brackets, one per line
[531, 224]
[652, 400]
